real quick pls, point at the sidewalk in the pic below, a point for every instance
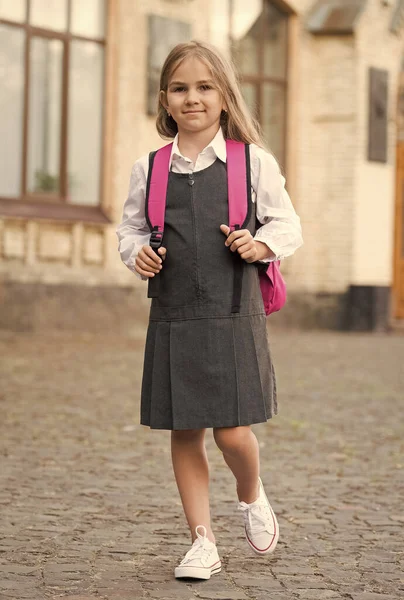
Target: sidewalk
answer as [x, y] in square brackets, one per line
[88, 504]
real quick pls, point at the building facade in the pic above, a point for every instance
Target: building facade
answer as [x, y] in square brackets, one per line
[78, 91]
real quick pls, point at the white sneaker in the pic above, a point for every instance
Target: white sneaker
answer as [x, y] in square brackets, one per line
[202, 560]
[260, 524]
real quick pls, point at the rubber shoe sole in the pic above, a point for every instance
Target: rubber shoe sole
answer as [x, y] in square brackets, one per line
[197, 572]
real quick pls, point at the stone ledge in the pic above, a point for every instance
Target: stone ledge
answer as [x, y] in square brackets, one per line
[109, 309]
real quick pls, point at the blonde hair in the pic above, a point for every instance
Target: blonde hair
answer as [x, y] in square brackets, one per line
[237, 123]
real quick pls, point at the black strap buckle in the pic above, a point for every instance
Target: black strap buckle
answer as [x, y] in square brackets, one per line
[156, 238]
[237, 279]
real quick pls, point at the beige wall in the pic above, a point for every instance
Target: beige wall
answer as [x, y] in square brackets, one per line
[325, 134]
[373, 234]
[346, 203]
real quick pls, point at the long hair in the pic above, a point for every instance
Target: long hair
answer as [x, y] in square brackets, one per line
[237, 123]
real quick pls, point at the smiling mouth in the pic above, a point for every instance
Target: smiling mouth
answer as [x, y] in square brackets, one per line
[193, 112]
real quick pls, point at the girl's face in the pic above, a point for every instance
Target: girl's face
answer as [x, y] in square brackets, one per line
[192, 97]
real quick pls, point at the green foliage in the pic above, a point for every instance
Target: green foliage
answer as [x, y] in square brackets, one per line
[44, 182]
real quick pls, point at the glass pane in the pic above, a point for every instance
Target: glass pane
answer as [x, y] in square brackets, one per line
[45, 108]
[275, 42]
[249, 92]
[246, 55]
[11, 108]
[273, 119]
[86, 78]
[13, 10]
[246, 23]
[219, 23]
[49, 14]
[88, 18]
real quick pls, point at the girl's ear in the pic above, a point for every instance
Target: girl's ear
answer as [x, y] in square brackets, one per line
[163, 99]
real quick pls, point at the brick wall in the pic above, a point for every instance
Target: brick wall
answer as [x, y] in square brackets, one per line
[373, 232]
[345, 202]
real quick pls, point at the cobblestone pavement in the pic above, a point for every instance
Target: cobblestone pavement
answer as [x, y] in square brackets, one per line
[89, 507]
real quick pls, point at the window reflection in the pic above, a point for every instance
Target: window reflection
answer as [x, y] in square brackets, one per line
[246, 35]
[85, 120]
[11, 109]
[45, 115]
[50, 14]
[13, 10]
[249, 91]
[273, 118]
[88, 18]
[274, 42]
[257, 31]
[64, 100]
[260, 52]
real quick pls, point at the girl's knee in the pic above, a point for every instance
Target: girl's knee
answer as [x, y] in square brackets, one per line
[230, 439]
[188, 435]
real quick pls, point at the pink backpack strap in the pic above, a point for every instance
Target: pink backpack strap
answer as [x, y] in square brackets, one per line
[239, 200]
[156, 193]
[155, 209]
[238, 183]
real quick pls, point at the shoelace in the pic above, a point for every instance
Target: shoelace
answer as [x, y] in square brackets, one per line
[261, 514]
[198, 548]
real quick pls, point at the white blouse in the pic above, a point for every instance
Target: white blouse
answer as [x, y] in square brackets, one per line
[280, 230]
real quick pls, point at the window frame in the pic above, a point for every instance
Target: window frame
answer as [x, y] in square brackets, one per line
[55, 206]
[259, 80]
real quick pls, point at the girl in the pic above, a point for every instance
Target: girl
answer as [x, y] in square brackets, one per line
[204, 366]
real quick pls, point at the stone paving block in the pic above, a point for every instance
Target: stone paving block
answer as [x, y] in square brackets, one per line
[292, 570]
[320, 595]
[163, 595]
[20, 569]
[373, 596]
[258, 582]
[399, 518]
[304, 582]
[22, 595]
[81, 597]
[230, 595]
[119, 589]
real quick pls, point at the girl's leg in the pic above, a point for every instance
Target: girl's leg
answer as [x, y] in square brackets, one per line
[241, 452]
[191, 471]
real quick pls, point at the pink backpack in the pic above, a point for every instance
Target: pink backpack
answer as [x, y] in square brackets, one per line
[272, 284]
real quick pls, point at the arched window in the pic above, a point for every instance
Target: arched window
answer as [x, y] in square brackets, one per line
[260, 49]
[52, 81]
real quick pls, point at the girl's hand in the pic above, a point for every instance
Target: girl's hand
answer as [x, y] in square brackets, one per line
[242, 241]
[147, 262]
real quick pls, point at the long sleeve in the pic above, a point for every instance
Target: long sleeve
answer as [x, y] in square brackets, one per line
[133, 231]
[281, 229]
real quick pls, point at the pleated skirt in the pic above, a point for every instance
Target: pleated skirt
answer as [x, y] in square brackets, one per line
[208, 372]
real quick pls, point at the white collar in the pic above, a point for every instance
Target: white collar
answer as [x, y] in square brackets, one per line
[218, 145]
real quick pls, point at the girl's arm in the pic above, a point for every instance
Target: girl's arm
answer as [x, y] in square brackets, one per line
[281, 230]
[133, 232]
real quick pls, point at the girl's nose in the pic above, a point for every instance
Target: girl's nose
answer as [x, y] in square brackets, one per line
[192, 97]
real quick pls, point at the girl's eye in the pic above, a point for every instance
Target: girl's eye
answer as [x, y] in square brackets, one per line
[178, 89]
[206, 87]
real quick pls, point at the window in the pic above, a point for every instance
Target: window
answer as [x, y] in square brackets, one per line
[51, 105]
[260, 41]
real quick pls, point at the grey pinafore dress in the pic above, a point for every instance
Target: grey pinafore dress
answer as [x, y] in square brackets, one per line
[204, 366]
